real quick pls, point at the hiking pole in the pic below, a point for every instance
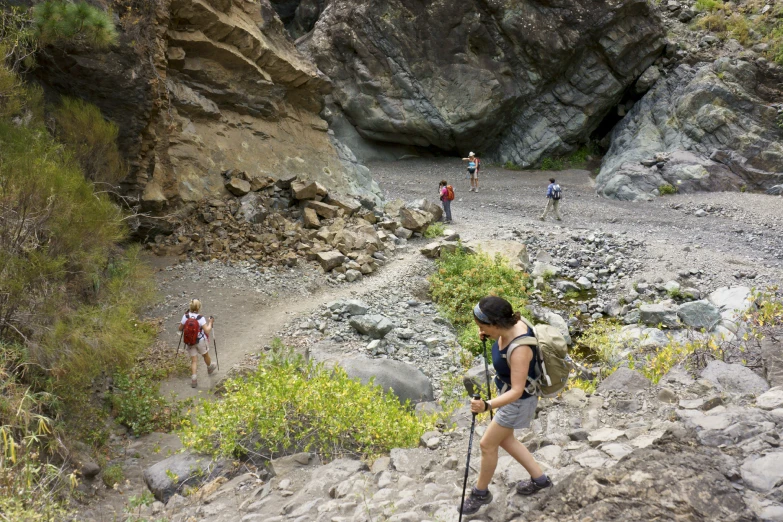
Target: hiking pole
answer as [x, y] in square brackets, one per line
[486, 372]
[214, 341]
[180, 342]
[467, 464]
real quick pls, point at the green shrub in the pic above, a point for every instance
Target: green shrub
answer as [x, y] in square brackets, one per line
[510, 165]
[666, 189]
[112, 475]
[138, 404]
[91, 139]
[60, 21]
[708, 5]
[462, 279]
[289, 404]
[600, 342]
[552, 164]
[579, 158]
[435, 230]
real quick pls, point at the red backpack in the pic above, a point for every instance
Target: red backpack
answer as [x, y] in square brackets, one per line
[191, 330]
[449, 192]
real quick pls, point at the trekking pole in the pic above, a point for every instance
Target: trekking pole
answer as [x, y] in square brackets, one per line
[214, 341]
[467, 464]
[180, 342]
[486, 372]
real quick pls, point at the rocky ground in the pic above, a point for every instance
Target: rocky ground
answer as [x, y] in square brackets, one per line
[701, 241]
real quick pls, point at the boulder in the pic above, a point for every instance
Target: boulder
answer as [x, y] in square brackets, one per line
[324, 210]
[734, 378]
[772, 358]
[304, 190]
[659, 314]
[763, 473]
[330, 260]
[625, 380]
[431, 250]
[170, 475]
[514, 91]
[406, 381]
[699, 314]
[376, 326]
[349, 205]
[356, 307]
[708, 124]
[251, 210]
[771, 399]
[238, 187]
[732, 301]
[427, 206]
[287, 464]
[542, 269]
[310, 218]
[416, 220]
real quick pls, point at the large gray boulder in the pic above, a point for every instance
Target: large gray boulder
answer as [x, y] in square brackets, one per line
[376, 326]
[772, 357]
[702, 128]
[764, 473]
[516, 80]
[699, 314]
[734, 378]
[663, 314]
[170, 475]
[731, 301]
[624, 380]
[406, 381]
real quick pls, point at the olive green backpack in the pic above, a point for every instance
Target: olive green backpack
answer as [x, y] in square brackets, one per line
[553, 364]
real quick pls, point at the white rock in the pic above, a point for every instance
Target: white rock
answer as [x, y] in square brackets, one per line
[592, 459]
[763, 474]
[772, 399]
[605, 435]
[616, 450]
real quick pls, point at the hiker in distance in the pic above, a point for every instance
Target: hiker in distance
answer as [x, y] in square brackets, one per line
[515, 406]
[553, 194]
[446, 193]
[195, 333]
[474, 165]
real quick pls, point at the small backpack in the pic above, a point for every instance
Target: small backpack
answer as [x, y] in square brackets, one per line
[557, 192]
[449, 192]
[191, 330]
[553, 364]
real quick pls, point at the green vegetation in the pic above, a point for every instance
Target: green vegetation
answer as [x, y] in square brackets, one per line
[290, 404]
[462, 279]
[510, 165]
[59, 21]
[138, 404]
[69, 294]
[744, 22]
[553, 164]
[113, 475]
[667, 189]
[91, 139]
[435, 230]
[576, 160]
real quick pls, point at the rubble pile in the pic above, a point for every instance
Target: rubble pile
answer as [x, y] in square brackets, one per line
[285, 221]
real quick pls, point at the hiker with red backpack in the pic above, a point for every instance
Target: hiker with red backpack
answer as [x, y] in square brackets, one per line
[514, 358]
[195, 330]
[446, 193]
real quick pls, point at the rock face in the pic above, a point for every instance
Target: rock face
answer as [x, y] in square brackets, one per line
[700, 129]
[515, 80]
[651, 484]
[218, 85]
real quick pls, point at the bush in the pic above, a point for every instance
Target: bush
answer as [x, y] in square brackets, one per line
[461, 281]
[666, 189]
[434, 230]
[113, 475]
[289, 405]
[510, 165]
[91, 139]
[552, 164]
[708, 5]
[60, 21]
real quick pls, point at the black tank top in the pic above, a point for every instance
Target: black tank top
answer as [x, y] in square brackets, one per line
[502, 368]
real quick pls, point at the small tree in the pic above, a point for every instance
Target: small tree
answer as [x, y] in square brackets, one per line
[59, 21]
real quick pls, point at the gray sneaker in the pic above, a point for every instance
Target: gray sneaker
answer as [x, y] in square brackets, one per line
[193, 382]
[475, 502]
[529, 487]
[211, 368]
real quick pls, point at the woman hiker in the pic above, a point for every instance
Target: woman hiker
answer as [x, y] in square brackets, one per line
[445, 199]
[195, 327]
[515, 406]
[474, 165]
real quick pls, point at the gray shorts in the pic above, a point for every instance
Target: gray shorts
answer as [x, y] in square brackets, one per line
[517, 415]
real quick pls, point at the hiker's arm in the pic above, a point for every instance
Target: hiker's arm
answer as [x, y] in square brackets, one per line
[519, 361]
[208, 326]
[181, 325]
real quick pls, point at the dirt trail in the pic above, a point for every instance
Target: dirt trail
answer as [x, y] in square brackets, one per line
[244, 325]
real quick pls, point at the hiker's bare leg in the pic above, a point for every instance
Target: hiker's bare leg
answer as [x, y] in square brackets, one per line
[521, 454]
[193, 364]
[490, 442]
[207, 359]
